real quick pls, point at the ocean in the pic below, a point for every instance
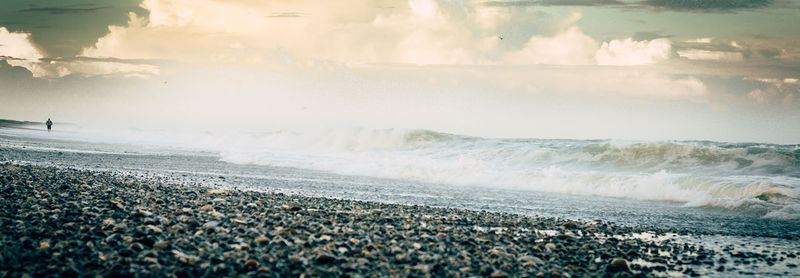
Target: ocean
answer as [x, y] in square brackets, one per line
[707, 192]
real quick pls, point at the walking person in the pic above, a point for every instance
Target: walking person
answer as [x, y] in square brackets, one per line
[49, 124]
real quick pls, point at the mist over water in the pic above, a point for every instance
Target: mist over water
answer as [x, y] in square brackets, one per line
[757, 179]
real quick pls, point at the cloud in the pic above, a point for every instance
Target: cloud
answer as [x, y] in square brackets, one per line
[761, 96]
[425, 32]
[700, 40]
[787, 100]
[700, 54]
[93, 67]
[422, 32]
[61, 10]
[62, 30]
[10, 72]
[554, 3]
[20, 52]
[779, 91]
[18, 45]
[573, 47]
[675, 5]
[629, 52]
[751, 50]
[708, 5]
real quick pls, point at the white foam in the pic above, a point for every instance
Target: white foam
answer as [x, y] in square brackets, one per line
[749, 176]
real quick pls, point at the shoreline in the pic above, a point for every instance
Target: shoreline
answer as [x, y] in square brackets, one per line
[77, 222]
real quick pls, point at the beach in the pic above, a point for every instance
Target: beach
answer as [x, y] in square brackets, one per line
[78, 208]
[403, 138]
[75, 223]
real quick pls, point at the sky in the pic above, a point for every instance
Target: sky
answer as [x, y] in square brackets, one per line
[619, 69]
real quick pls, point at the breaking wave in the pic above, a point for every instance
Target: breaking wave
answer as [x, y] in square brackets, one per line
[760, 178]
[757, 178]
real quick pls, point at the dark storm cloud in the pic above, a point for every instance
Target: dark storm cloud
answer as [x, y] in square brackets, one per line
[58, 10]
[11, 75]
[10, 58]
[708, 5]
[769, 53]
[673, 5]
[63, 28]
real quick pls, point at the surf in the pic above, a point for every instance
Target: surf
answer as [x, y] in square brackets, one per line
[755, 178]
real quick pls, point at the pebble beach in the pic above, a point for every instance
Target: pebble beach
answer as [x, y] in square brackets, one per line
[67, 222]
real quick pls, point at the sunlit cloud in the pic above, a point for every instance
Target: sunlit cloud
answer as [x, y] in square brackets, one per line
[700, 54]
[17, 45]
[370, 62]
[629, 52]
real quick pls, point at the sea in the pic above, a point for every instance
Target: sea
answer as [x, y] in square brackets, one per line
[744, 196]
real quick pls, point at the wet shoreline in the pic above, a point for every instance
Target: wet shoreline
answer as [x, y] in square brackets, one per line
[71, 222]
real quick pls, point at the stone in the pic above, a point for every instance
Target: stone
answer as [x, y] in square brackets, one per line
[325, 259]
[251, 263]
[238, 221]
[136, 246]
[126, 252]
[161, 244]
[108, 223]
[618, 265]
[210, 225]
[424, 268]
[530, 261]
[216, 192]
[154, 228]
[183, 257]
[498, 274]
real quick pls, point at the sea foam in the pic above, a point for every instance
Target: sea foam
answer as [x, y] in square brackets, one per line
[752, 177]
[760, 178]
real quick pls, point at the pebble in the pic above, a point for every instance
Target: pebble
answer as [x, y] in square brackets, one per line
[617, 265]
[154, 228]
[325, 259]
[161, 244]
[216, 192]
[210, 225]
[251, 263]
[498, 274]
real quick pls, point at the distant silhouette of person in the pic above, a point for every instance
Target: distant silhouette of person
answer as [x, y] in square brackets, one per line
[49, 124]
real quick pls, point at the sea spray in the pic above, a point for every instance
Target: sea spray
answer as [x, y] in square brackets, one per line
[757, 178]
